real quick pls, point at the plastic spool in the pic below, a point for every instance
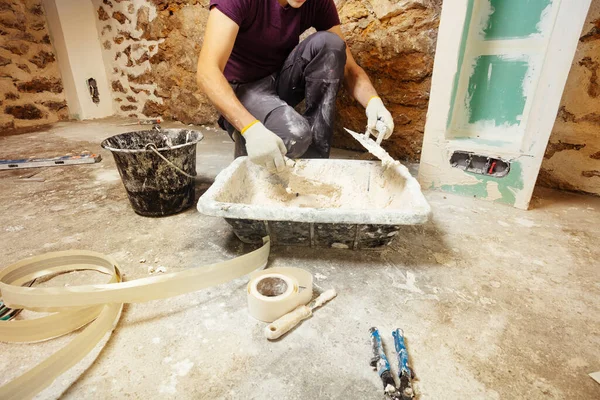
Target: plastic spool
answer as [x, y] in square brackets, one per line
[269, 299]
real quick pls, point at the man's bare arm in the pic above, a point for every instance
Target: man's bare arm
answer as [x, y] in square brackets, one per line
[219, 38]
[355, 78]
[263, 146]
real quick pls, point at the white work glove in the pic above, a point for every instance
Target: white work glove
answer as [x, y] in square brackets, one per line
[264, 147]
[377, 111]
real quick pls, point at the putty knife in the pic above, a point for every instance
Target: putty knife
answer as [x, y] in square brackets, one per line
[283, 325]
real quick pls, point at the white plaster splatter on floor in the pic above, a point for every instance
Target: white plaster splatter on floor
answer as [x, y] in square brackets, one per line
[504, 224]
[320, 277]
[210, 323]
[577, 362]
[219, 249]
[156, 340]
[108, 176]
[525, 222]
[409, 285]
[182, 368]
[486, 301]
[15, 228]
[179, 369]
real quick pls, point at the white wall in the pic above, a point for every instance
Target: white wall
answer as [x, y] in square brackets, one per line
[72, 26]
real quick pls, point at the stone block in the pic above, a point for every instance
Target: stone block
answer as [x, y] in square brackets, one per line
[24, 67]
[389, 8]
[352, 11]
[6, 6]
[38, 85]
[145, 57]
[119, 16]
[117, 86]
[34, 7]
[55, 105]
[16, 47]
[139, 90]
[147, 78]
[7, 123]
[143, 18]
[38, 26]
[14, 20]
[42, 59]
[27, 111]
[102, 14]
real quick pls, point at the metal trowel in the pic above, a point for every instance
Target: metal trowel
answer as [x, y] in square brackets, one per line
[373, 146]
[283, 178]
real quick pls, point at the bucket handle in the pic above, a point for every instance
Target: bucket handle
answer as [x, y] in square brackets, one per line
[152, 147]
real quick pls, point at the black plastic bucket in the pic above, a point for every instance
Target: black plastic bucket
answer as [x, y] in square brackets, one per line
[157, 168]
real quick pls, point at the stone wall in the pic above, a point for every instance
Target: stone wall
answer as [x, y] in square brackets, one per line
[31, 90]
[151, 49]
[572, 159]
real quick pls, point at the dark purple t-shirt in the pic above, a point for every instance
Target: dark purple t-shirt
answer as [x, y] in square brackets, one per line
[269, 32]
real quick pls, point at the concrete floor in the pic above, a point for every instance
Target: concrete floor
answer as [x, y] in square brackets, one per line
[495, 302]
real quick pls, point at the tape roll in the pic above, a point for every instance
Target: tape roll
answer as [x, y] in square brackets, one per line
[277, 291]
[101, 304]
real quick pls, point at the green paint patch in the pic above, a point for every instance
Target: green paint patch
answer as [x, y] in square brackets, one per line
[461, 58]
[512, 19]
[508, 186]
[495, 91]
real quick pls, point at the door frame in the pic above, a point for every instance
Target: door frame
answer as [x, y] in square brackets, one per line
[556, 47]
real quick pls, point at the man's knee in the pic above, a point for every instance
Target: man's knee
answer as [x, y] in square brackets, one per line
[332, 46]
[292, 128]
[328, 41]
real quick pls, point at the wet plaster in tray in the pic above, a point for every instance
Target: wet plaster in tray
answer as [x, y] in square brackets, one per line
[326, 191]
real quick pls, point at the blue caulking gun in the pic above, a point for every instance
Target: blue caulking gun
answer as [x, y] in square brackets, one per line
[404, 372]
[379, 361]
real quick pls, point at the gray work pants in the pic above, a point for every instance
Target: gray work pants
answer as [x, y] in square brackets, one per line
[314, 71]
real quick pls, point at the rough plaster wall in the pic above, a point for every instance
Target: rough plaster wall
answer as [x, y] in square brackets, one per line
[572, 159]
[31, 90]
[151, 49]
